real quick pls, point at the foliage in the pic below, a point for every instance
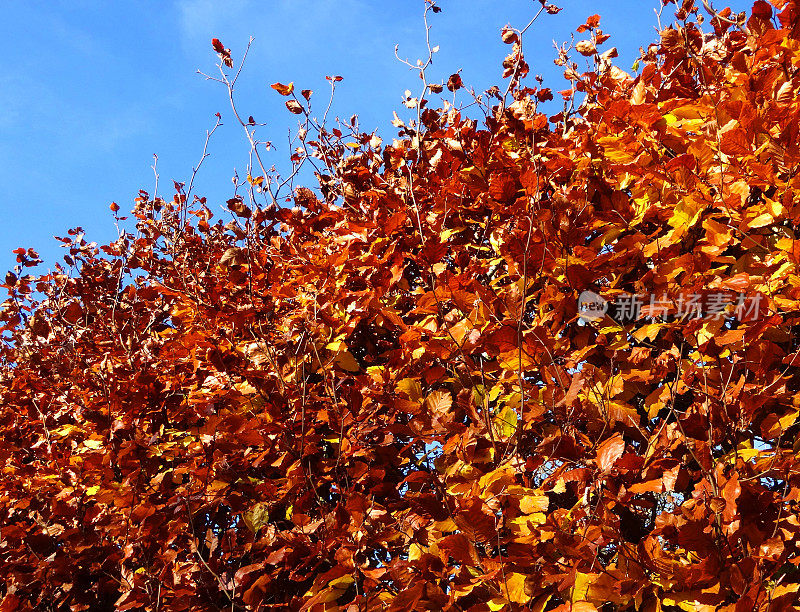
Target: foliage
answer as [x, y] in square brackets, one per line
[380, 395]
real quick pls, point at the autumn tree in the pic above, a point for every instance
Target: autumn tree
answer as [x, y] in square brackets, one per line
[518, 357]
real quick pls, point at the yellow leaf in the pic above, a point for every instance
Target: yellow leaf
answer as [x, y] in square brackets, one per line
[648, 331]
[689, 111]
[414, 552]
[531, 504]
[92, 490]
[540, 603]
[788, 420]
[505, 422]
[335, 589]
[778, 425]
[445, 525]
[343, 358]
[619, 156]
[245, 388]
[761, 220]
[776, 209]
[346, 361]
[378, 374]
[496, 240]
[523, 526]
[445, 234]
[642, 204]
[783, 589]
[257, 516]
[511, 360]
[613, 153]
[746, 454]
[709, 330]
[686, 213]
[66, 430]
[581, 587]
[496, 479]
[412, 388]
[782, 272]
[515, 585]
[688, 601]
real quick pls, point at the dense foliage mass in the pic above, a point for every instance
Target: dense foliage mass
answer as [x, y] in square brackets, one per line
[382, 395]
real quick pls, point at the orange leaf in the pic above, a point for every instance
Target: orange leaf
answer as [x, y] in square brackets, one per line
[284, 90]
[735, 142]
[609, 451]
[439, 402]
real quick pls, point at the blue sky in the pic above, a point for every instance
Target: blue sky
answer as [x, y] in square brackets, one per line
[91, 90]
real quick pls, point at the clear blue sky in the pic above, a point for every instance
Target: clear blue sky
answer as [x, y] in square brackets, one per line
[90, 90]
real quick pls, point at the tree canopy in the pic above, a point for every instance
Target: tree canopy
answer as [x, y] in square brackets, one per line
[421, 385]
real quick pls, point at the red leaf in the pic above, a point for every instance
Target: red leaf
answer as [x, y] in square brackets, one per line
[591, 22]
[762, 10]
[224, 54]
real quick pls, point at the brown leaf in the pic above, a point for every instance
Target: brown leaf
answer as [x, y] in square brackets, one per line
[234, 256]
[585, 47]
[459, 548]
[239, 207]
[294, 107]
[454, 83]
[509, 35]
